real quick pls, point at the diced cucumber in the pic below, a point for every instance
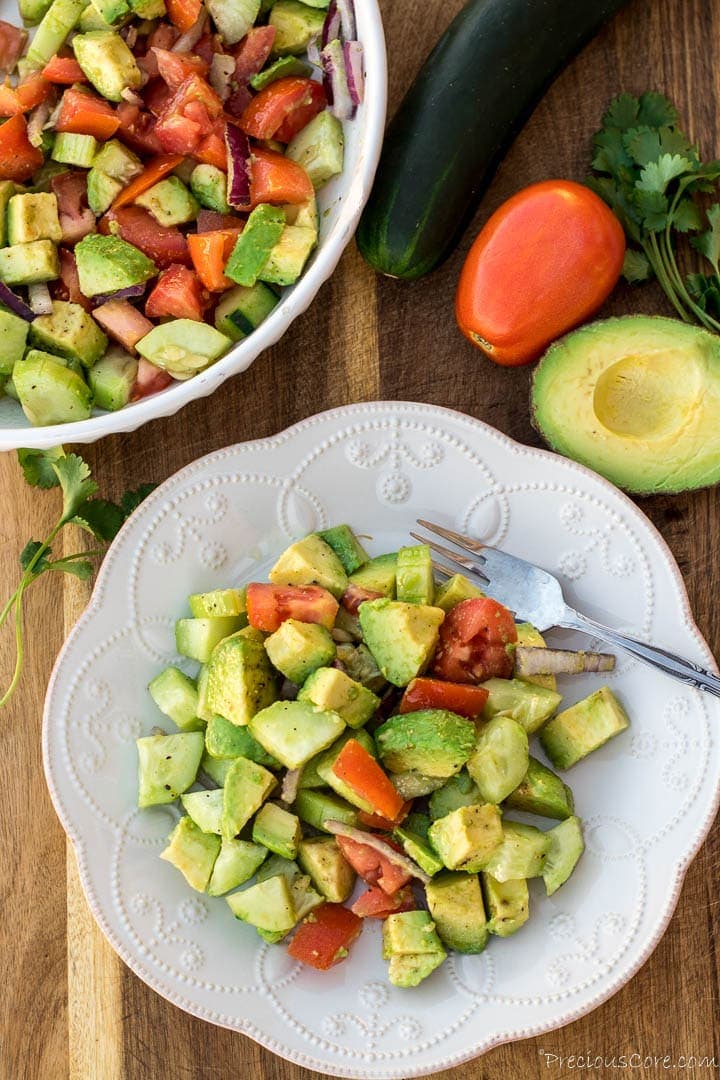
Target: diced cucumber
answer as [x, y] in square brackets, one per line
[168, 765]
[500, 759]
[277, 829]
[293, 731]
[319, 148]
[521, 854]
[50, 392]
[237, 862]
[459, 790]
[317, 807]
[507, 903]
[112, 379]
[56, 24]
[183, 347]
[377, 575]
[196, 638]
[530, 705]
[241, 310]
[193, 852]
[74, 149]
[414, 582]
[247, 786]
[541, 792]
[226, 741]
[233, 18]
[32, 11]
[175, 695]
[566, 847]
[13, 336]
[205, 808]
[222, 602]
[215, 768]
[576, 732]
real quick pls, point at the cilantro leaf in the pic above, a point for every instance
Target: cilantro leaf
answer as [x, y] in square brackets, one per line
[622, 112]
[645, 144]
[656, 175]
[656, 111]
[80, 568]
[653, 209]
[687, 216]
[636, 266]
[29, 552]
[37, 466]
[76, 483]
[708, 243]
[132, 499]
[706, 292]
[610, 153]
[100, 517]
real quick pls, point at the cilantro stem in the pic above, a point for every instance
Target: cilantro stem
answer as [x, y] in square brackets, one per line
[57, 564]
[654, 254]
[18, 642]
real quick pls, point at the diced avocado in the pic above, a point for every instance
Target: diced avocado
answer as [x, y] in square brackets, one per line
[297, 649]
[288, 257]
[218, 602]
[225, 741]
[13, 336]
[102, 190]
[175, 695]
[183, 347]
[530, 637]
[9, 388]
[168, 765]
[410, 970]
[500, 758]
[280, 69]
[279, 866]
[233, 19]
[91, 19]
[33, 217]
[295, 25]
[521, 854]
[246, 787]
[49, 392]
[529, 704]
[267, 905]
[242, 310]
[205, 808]
[304, 897]
[112, 10]
[277, 829]
[317, 807]
[433, 742]
[253, 246]
[70, 149]
[324, 767]
[193, 852]
[216, 768]
[576, 732]
[7, 189]
[294, 731]
[148, 9]
[417, 849]
[414, 581]
[196, 638]
[319, 148]
[541, 792]
[466, 838]
[457, 909]
[117, 161]
[26, 264]
[310, 778]
[237, 862]
[330, 872]
[377, 575]
[304, 214]
[346, 546]
[507, 903]
[70, 332]
[453, 591]
[459, 790]
[58, 21]
[108, 63]
[32, 11]
[360, 665]
[402, 637]
[240, 681]
[413, 785]
[107, 263]
[566, 847]
[112, 379]
[310, 562]
[418, 823]
[411, 944]
[330, 688]
[169, 202]
[209, 186]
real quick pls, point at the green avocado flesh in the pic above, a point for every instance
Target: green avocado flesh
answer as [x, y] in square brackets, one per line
[637, 399]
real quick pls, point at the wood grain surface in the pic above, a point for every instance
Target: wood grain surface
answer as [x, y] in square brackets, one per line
[69, 1007]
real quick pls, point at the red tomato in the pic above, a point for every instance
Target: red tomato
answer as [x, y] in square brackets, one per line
[189, 116]
[376, 904]
[137, 129]
[473, 642]
[323, 939]
[269, 605]
[175, 68]
[277, 179]
[212, 221]
[434, 694]
[83, 113]
[149, 380]
[543, 263]
[12, 43]
[212, 149]
[163, 244]
[184, 13]
[354, 596]
[268, 109]
[178, 293]
[383, 824]
[360, 771]
[64, 70]
[23, 97]
[67, 287]
[253, 51]
[124, 323]
[19, 159]
[156, 96]
[76, 218]
[301, 117]
[238, 101]
[372, 866]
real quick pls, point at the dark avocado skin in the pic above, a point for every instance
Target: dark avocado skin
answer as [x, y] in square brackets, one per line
[470, 99]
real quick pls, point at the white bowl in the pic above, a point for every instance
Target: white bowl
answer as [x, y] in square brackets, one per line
[647, 798]
[340, 204]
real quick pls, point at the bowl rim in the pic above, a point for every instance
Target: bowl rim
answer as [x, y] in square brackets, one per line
[294, 303]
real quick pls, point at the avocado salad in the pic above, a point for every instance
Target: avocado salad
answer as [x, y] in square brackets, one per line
[353, 721]
[159, 161]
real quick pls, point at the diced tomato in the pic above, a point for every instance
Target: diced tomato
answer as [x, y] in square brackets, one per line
[149, 379]
[19, 159]
[123, 322]
[212, 221]
[354, 596]
[83, 113]
[207, 46]
[360, 771]
[376, 904]
[324, 937]
[178, 293]
[195, 90]
[137, 129]
[212, 149]
[277, 179]
[272, 106]
[164, 244]
[269, 605]
[163, 36]
[23, 97]
[303, 114]
[383, 824]
[372, 866]
[175, 68]
[156, 96]
[76, 218]
[473, 642]
[12, 43]
[64, 70]
[67, 287]
[210, 252]
[154, 171]
[178, 134]
[253, 51]
[184, 13]
[434, 694]
[189, 116]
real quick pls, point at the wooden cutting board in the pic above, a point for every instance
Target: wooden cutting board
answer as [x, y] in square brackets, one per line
[69, 1007]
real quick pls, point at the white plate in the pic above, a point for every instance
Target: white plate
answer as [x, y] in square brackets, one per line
[647, 798]
[340, 204]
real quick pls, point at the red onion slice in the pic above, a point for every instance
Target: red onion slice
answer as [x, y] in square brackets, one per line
[313, 50]
[238, 167]
[130, 293]
[332, 25]
[336, 82]
[289, 789]
[40, 299]
[346, 10]
[187, 41]
[534, 661]
[17, 306]
[371, 840]
[222, 70]
[353, 56]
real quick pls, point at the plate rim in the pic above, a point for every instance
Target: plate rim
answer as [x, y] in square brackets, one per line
[248, 1028]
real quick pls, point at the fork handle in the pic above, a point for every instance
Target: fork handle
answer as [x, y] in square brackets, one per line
[668, 662]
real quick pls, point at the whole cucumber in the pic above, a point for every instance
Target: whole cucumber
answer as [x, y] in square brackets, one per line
[468, 102]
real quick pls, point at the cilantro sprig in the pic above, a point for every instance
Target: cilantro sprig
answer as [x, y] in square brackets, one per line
[81, 506]
[649, 174]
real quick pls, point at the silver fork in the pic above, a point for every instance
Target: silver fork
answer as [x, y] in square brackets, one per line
[535, 596]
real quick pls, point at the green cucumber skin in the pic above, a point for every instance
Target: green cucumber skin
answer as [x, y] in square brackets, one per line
[470, 99]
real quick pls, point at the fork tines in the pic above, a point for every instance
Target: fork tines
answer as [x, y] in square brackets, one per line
[470, 564]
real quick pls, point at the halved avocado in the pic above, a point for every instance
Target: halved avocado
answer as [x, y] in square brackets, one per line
[637, 399]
